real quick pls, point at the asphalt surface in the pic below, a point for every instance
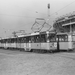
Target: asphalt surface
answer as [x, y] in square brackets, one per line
[14, 62]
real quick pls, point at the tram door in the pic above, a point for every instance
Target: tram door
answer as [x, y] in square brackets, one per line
[73, 40]
[70, 41]
[28, 43]
[35, 42]
[57, 40]
[23, 43]
[53, 42]
[62, 41]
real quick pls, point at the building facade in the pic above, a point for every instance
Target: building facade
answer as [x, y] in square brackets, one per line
[65, 24]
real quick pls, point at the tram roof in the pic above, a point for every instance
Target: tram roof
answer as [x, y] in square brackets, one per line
[8, 38]
[24, 35]
[62, 33]
[37, 33]
[49, 32]
[29, 34]
[44, 32]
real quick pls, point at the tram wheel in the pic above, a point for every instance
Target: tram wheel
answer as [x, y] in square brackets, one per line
[51, 51]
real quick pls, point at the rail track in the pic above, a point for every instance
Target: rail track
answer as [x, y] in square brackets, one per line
[69, 55]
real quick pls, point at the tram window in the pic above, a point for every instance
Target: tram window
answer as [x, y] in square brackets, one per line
[43, 38]
[63, 38]
[73, 37]
[32, 39]
[3, 40]
[37, 39]
[18, 40]
[66, 38]
[28, 39]
[11, 40]
[52, 38]
[22, 40]
[59, 39]
[15, 40]
[8, 40]
[56, 38]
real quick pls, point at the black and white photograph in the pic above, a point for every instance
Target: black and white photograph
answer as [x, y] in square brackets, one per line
[37, 37]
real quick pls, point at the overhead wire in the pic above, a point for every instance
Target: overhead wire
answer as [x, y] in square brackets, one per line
[17, 16]
[60, 10]
[35, 17]
[63, 7]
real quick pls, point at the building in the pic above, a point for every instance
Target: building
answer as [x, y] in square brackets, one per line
[65, 23]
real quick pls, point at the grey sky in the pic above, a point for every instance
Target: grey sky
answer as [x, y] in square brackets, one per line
[20, 14]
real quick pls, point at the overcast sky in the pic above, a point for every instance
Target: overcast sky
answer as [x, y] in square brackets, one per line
[21, 14]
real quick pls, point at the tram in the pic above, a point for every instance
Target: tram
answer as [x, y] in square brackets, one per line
[38, 41]
[44, 41]
[66, 41]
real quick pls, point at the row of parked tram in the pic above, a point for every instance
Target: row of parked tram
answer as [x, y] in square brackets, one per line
[40, 41]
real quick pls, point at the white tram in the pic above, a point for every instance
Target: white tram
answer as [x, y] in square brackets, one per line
[44, 41]
[66, 41]
[39, 41]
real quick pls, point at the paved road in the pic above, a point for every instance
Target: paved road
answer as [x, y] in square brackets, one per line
[26, 63]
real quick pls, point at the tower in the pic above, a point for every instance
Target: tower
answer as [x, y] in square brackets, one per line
[48, 10]
[48, 19]
[48, 13]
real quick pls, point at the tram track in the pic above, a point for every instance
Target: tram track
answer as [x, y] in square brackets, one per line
[59, 54]
[67, 55]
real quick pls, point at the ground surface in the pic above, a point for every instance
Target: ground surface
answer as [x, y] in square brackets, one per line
[24, 63]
